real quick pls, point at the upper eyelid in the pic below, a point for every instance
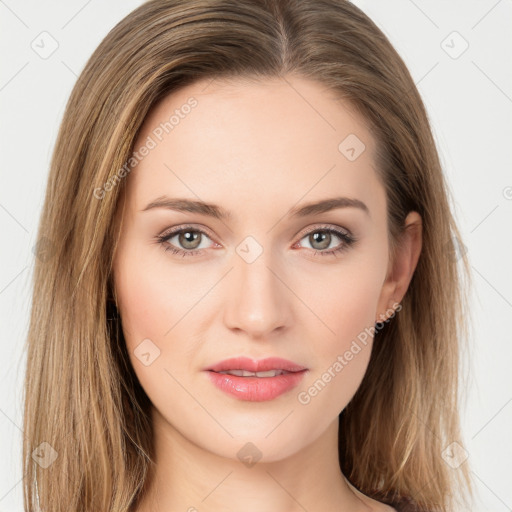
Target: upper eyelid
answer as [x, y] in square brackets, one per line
[173, 231]
[326, 227]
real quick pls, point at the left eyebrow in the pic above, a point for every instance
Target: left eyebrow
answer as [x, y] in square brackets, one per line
[213, 210]
[327, 205]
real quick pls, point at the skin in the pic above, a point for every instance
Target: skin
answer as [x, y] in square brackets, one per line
[257, 150]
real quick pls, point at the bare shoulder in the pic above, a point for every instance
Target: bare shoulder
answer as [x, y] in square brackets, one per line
[373, 505]
[377, 506]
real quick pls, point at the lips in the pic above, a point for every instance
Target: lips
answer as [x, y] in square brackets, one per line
[256, 381]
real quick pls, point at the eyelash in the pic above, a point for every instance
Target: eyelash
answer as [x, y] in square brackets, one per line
[348, 240]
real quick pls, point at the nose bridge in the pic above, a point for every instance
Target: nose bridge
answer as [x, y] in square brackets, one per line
[257, 300]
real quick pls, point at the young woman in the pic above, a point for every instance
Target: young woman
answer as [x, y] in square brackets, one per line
[251, 302]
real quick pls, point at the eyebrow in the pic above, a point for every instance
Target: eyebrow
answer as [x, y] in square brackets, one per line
[213, 210]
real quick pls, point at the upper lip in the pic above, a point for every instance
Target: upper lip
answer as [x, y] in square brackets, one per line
[253, 365]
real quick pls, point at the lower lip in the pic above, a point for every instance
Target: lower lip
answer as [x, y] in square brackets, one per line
[256, 389]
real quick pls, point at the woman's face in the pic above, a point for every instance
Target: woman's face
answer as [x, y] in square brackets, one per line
[255, 274]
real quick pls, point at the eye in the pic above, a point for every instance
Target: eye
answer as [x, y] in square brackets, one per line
[188, 241]
[321, 239]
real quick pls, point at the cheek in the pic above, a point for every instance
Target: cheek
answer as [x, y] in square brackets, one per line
[141, 302]
[152, 298]
[347, 304]
[341, 358]
[353, 308]
[342, 300]
[158, 306]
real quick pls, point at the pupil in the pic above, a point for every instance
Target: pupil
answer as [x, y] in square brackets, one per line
[188, 238]
[321, 236]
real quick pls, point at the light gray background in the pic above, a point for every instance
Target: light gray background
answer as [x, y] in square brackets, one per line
[469, 100]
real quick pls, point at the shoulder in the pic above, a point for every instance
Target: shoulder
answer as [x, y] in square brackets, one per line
[378, 506]
[401, 504]
[374, 505]
[383, 507]
[406, 504]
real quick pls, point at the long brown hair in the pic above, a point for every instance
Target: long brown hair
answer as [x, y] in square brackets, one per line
[88, 437]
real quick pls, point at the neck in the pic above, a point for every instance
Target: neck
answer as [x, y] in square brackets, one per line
[187, 478]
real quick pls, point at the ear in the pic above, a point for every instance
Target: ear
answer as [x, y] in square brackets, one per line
[401, 269]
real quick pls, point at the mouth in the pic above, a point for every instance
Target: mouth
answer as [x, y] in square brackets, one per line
[246, 373]
[256, 381]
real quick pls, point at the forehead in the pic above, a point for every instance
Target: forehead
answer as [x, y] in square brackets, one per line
[279, 139]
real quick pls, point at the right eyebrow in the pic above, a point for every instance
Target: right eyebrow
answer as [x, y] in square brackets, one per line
[189, 205]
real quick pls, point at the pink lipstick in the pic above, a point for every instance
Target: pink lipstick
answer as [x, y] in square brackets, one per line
[256, 381]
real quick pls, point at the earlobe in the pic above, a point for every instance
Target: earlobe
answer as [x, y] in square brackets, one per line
[392, 307]
[403, 266]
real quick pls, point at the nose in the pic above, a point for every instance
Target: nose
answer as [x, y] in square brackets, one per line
[258, 302]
